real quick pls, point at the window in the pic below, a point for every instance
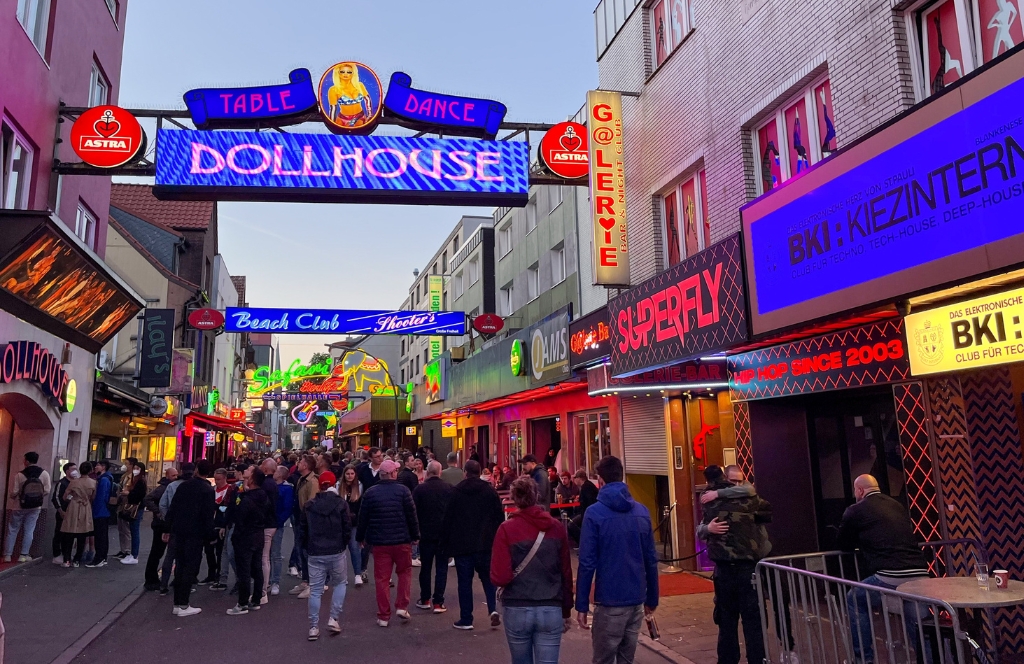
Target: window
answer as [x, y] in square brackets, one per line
[531, 215]
[444, 262]
[504, 241]
[403, 347]
[799, 134]
[685, 222]
[98, 87]
[554, 198]
[474, 271]
[85, 226]
[532, 282]
[426, 356]
[457, 286]
[670, 23]
[16, 160]
[34, 16]
[593, 440]
[609, 17]
[112, 6]
[1001, 25]
[402, 378]
[558, 265]
[505, 300]
[455, 245]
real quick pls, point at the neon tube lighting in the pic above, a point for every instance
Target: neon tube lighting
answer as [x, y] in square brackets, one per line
[659, 388]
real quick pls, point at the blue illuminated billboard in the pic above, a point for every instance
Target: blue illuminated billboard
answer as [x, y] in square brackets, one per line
[419, 109]
[919, 204]
[273, 166]
[334, 321]
[221, 108]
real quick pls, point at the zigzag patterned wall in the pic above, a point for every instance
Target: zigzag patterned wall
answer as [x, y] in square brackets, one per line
[744, 445]
[998, 468]
[922, 498]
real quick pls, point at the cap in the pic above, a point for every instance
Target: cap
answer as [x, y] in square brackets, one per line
[529, 458]
[327, 479]
[389, 466]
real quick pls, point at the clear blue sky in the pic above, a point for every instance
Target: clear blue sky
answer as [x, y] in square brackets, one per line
[535, 56]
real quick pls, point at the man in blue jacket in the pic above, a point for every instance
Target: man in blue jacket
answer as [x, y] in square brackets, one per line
[101, 514]
[616, 543]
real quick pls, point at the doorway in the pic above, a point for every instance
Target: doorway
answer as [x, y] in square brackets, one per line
[546, 440]
[484, 441]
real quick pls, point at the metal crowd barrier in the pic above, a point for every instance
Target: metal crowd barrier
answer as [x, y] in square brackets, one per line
[811, 617]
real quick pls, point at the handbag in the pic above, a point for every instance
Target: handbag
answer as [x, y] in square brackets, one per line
[129, 512]
[526, 561]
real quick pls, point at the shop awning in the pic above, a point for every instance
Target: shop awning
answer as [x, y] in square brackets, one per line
[544, 392]
[219, 423]
[49, 278]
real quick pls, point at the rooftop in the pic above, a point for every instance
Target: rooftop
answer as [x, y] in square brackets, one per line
[138, 200]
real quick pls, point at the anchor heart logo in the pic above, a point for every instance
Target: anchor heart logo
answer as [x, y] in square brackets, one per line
[570, 141]
[107, 126]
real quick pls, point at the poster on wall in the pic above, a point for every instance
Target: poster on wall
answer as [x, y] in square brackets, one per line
[157, 348]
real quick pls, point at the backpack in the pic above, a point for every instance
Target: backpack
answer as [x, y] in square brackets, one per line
[32, 491]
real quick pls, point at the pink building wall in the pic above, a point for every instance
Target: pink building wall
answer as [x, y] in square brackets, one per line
[32, 85]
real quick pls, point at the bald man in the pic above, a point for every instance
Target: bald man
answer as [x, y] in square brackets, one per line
[880, 527]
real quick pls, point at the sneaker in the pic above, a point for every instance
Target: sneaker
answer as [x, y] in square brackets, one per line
[425, 605]
[359, 579]
[66, 565]
[218, 586]
[185, 611]
[364, 577]
[121, 554]
[238, 610]
[416, 562]
[403, 614]
[293, 571]
[207, 581]
[495, 619]
[451, 562]
[77, 563]
[275, 589]
[382, 623]
[304, 594]
[314, 634]
[298, 589]
[460, 625]
[129, 560]
[264, 600]
[58, 560]
[253, 607]
[164, 591]
[24, 559]
[94, 565]
[439, 608]
[333, 626]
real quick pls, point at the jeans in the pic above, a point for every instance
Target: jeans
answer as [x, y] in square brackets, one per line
[534, 633]
[736, 597]
[860, 620]
[465, 566]
[614, 633]
[214, 551]
[355, 555]
[320, 569]
[101, 536]
[168, 564]
[19, 518]
[268, 538]
[136, 536]
[156, 552]
[188, 555]
[249, 568]
[430, 557]
[398, 556]
[276, 560]
[228, 557]
[55, 545]
[293, 559]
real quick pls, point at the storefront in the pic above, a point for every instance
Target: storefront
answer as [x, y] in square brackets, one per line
[213, 438]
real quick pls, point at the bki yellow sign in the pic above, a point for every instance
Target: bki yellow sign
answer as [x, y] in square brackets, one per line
[967, 335]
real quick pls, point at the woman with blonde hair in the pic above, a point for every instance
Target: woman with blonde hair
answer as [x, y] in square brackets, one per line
[348, 99]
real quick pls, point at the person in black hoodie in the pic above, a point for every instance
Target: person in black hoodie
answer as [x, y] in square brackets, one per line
[327, 540]
[467, 534]
[190, 520]
[431, 500]
[249, 516]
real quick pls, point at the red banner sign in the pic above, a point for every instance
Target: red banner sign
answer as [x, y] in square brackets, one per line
[236, 414]
[488, 323]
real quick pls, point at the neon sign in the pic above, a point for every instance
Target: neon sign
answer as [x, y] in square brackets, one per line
[27, 360]
[419, 108]
[317, 321]
[590, 338]
[516, 358]
[214, 400]
[264, 379]
[607, 188]
[222, 108]
[272, 166]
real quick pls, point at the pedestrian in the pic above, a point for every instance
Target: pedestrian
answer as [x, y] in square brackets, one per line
[213, 550]
[31, 486]
[540, 476]
[407, 475]
[880, 527]
[306, 487]
[617, 544]
[159, 526]
[124, 528]
[60, 507]
[77, 525]
[733, 530]
[190, 523]
[470, 523]
[130, 510]
[387, 521]
[352, 490]
[588, 496]
[453, 474]
[508, 476]
[269, 467]
[249, 517]
[531, 563]
[105, 492]
[419, 468]
[328, 535]
[225, 528]
[187, 473]
[431, 499]
[283, 511]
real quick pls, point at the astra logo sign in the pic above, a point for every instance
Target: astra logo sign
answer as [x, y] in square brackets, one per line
[319, 321]
[471, 117]
[696, 307]
[341, 168]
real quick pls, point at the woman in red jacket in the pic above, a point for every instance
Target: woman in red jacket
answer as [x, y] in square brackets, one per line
[530, 563]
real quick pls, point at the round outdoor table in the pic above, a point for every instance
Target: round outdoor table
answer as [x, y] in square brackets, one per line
[964, 593]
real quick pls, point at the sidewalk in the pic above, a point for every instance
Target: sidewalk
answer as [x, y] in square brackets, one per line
[687, 629]
[47, 608]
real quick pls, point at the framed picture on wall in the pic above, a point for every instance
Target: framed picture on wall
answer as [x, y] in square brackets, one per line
[729, 456]
[678, 455]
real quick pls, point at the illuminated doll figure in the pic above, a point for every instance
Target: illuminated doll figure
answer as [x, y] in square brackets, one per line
[349, 101]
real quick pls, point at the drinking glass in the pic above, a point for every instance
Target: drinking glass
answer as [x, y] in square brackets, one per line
[981, 571]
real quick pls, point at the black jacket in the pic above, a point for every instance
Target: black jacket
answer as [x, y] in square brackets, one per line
[329, 525]
[431, 500]
[472, 518]
[409, 479]
[540, 477]
[387, 515]
[152, 503]
[191, 512]
[366, 476]
[57, 498]
[249, 515]
[588, 496]
[881, 528]
[270, 486]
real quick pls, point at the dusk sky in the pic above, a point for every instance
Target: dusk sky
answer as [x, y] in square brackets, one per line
[535, 56]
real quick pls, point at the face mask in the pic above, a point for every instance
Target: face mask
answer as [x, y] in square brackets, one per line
[136, 471]
[74, 474]
[124, 468]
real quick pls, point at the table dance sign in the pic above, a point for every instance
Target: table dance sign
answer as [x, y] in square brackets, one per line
[222, 108]
[419, 108]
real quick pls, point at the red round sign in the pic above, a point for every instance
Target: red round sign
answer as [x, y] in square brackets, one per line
[106, 136]
[206, 319]
[564, 150]
[488, 323]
